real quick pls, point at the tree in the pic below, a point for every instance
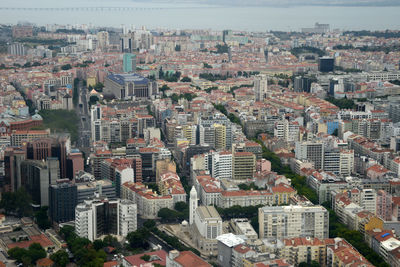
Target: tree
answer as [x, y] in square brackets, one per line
[60, 258]
[178, 48]
[98, 244]
[42, 219]
[36, 251]
[150, 224]
[17, 253]
[181, 206]
[186, 79]
[66, 67]
[146, 257]
[207, 66]
[138, 238]
[18, 203]
[93, 100]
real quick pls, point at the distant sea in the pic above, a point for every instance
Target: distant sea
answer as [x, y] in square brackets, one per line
[182, 16]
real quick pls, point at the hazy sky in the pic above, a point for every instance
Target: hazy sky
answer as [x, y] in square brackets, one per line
[66, 3]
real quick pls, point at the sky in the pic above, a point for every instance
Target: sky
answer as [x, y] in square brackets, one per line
[278, 3]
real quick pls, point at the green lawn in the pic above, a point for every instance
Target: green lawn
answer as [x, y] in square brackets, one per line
[61, 121]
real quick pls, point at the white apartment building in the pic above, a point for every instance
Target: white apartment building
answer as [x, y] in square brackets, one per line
[286, 130]
[98, 217]
[368, 200]
[293, 221]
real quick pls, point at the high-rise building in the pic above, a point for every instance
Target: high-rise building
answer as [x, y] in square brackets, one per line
[37, 176]
[243, 165]
[62, 201]
[311, 151]
[220, 136]
[100, 216]
[326, 64]
[293, 221]
[13, 158]
[17, 49]
[129, 63]
[103, 40]
[260, 87]
[42, 148]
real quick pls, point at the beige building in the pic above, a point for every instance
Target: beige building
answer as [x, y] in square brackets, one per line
[148, 202]
[293, 221]
[305, 249]
[207, 226]
[164, 165]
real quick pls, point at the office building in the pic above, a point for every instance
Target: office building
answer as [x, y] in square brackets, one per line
[326, 64]
[87, 187]
[63, 198]
[37, 176]
[311, 151]
[13, 158]
[129, 63]
[100, 216]
[243, 165]
[293, 221]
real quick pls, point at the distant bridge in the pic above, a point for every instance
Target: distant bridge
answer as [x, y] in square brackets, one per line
[82, 8]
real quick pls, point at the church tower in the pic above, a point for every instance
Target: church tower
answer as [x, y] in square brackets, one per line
[193, 205]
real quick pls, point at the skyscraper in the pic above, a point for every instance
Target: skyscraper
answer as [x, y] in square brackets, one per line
[326, 64]
[62, 201]
[129, 62]
[260, 87]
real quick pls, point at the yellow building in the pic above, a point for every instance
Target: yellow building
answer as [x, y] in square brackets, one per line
[91, 81]
[282, 193]
[220, 136]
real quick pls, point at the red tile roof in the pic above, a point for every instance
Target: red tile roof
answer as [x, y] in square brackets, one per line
[41, 239]
[189, 259]
[136, 260]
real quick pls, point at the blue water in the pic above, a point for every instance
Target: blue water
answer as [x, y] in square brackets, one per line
[184, 16]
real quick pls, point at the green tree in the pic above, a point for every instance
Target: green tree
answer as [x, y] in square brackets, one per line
[149, 224]
[17, 203]
[93, 100]
[17, 253]
[186, 79]
[35, 252]
[138, 238]
[181, 206]
[66, 67]
[42, 219]
[60, 258]
[145, 257]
